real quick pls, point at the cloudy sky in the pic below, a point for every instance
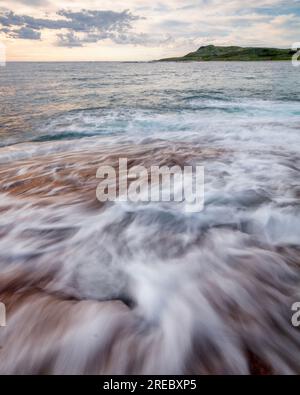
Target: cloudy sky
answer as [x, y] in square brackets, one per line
[141, 29]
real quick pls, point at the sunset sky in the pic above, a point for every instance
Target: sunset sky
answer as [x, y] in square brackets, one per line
[63, 30]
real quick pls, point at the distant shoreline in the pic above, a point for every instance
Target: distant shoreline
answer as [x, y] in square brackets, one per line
[137, 61]
[211, 53]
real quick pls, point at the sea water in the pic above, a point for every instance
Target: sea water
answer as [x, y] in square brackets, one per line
[148, 287]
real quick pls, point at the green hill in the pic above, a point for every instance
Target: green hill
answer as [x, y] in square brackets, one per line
[216, 53]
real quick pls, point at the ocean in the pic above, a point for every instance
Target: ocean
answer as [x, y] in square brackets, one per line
[146, 287]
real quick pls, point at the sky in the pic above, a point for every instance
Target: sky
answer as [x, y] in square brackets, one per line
[137, 30]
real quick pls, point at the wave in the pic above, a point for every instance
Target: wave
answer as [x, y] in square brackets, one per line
[162, 291]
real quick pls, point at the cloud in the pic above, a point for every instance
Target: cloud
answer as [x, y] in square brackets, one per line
[33, 2]
[87, 20]
[84, 20]
[26, 33]
[71, 40]
[80, 27]
[68, 40]
[142, 39]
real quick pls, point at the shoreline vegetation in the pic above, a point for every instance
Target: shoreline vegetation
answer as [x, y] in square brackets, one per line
[233, 53]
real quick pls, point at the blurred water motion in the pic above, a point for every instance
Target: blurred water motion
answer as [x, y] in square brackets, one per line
[146, 288]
